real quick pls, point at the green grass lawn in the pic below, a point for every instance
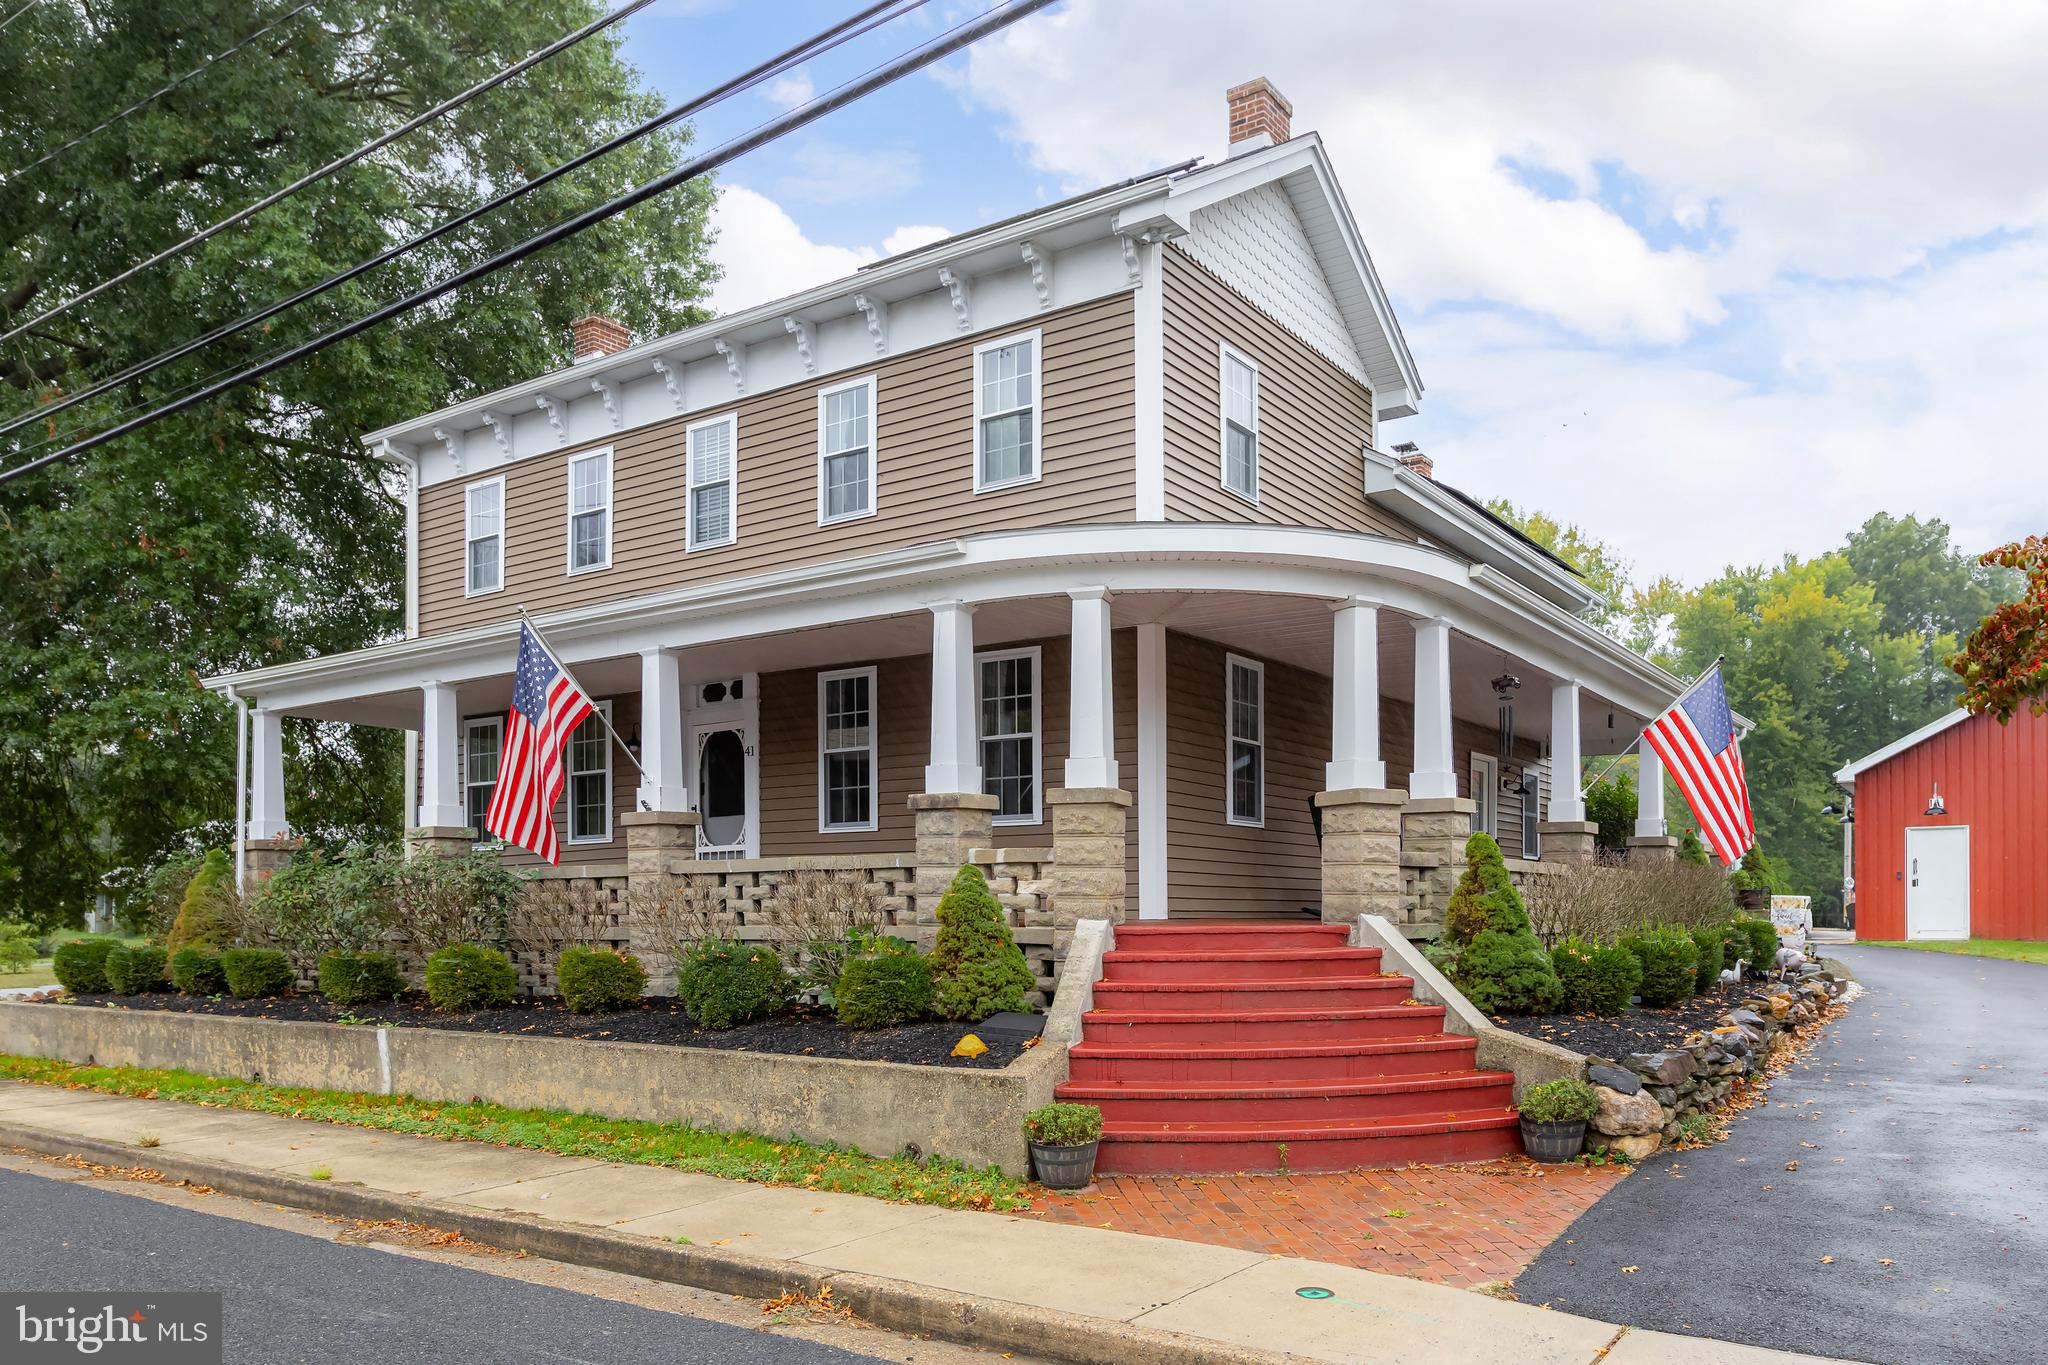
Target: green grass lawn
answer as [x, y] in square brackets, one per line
[37, 974]
[2011, 949]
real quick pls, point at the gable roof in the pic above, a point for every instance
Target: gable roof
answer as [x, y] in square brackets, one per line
[1847, 775]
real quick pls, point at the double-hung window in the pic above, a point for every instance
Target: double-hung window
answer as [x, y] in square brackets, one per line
[714, 465]
[1006, 422]
[1007, 727]
[590, 511]
[1245, 722]
[482, 741]
[846, 451]
[1486, 794]
[590, 779]
[846, 750]
[483, 536]
[1240, 451]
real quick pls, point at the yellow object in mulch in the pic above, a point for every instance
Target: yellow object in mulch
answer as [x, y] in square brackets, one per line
[970, 1046]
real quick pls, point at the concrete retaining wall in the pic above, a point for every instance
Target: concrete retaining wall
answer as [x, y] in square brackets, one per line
[880, 1107]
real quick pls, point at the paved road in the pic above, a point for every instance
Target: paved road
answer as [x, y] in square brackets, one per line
[290, 1297]
[1920, 1126]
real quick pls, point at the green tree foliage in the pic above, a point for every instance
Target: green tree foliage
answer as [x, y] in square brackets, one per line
[1611, 803]
[977, 968]
[255, 529]
[1692, 849]
[1927, 590]
[1597, 562]
[17, 945]
[206, 916]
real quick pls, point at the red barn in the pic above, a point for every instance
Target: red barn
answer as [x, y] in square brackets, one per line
[1950, 831]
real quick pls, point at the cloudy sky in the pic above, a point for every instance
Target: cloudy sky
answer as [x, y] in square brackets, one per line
[1716, 282]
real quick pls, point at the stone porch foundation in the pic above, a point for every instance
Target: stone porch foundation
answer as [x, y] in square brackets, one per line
[1361, 853]
[1088, 858]
[1569, 841]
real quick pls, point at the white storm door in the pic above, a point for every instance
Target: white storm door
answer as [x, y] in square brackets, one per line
[1938, 882]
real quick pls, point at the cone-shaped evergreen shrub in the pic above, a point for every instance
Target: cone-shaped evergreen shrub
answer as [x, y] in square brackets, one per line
[1691, 850]
[977, 968]
[1485, 897]
[206, 915]
[1501, 965]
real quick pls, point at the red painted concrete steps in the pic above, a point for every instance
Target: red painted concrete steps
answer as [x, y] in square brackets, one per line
[1222, 1047]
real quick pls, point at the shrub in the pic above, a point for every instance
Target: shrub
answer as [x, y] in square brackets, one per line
[1485, 897]
[149, 899]
[876, 992]
[81, 965]
[464, 978]
[1706, 961]
[134, 971]
[1602, 901]
[207, 915]
[197, 972]
[977, 968]
[1612, 805]
[1564, 1100]
[360, 978]
[593, 980]
[318, 904]
[1763, 942]
[17, 945]
[826, 919]
[1064, 1125]
[1668, 957]
[252, 972]
[723, 983]
[450, 900]
[1595, 979]
[1504, 973]
[1691, 850]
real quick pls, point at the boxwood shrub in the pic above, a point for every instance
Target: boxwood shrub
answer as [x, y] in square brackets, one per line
[134, 971]
[81, 965]
[1668, 957]
[723, 983]
[1564, 1100]
[360, 978]
[876, 992]
[593, 980]
[1759, 938]
[253, 972]
[1597, 978]
[197, 972]
[1706, 965]
[464, 978]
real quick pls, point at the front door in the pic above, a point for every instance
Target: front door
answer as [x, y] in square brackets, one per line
[724, 753]
[1938, 882]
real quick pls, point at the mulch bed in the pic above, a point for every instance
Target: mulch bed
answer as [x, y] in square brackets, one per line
[802, 1032]
[1639, 1030]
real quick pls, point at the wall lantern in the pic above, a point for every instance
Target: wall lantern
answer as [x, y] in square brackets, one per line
[1935, 805]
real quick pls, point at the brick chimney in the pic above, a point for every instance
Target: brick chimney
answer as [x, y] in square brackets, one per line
[1410, 457]
[1259, 116]
[596, 336]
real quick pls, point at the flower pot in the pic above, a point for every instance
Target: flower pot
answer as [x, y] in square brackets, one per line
[1754, 901]
[1064, 1168]
[1553, 1142]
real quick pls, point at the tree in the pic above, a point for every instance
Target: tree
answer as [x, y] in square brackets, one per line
[2004, 666]
[977, 968]
[255, 529]
[1611, 803]
[1500, 964]
[1927, 589]
[1597, 562]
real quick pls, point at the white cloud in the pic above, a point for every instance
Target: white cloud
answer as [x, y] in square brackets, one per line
[765, 254]
[911, 236]
[791, 90]
[831, 173]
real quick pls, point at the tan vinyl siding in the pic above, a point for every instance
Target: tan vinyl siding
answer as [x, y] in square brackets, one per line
[1314, 419]
[925, 479]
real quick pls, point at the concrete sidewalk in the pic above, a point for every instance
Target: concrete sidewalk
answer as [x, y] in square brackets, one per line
[1111, 1295]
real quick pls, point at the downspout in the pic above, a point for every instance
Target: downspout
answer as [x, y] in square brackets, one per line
[241, 788]
[396, 454]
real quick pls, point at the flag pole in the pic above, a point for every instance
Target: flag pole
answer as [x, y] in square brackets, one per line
[595, 709]
[1692, 688]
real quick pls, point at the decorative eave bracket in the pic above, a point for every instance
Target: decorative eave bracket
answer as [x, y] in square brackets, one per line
[957, 287]
[734, 363]
[558, 416]
[1040, 261]
[800, 328]
[876, 312]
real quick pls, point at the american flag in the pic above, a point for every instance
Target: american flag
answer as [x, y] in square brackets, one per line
[1696, 740]
[546, 705]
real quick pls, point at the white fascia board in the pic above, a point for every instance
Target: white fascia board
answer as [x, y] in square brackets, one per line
[1847, 775]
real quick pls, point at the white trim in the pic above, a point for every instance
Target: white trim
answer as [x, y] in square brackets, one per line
[1149, 363]
[1532, 814]
[1231, 663]
[1037, 339]
[1441, 517]
[1037, 657]
[874, 748]
[1152, 882]
[866, 381]
[730, 419]
[469, 491]
[471, 724]
[1485, 779]
[1225, 354]
[1847, 775]
[569, 510]
[570, 773]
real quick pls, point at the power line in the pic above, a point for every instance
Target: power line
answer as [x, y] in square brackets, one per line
[149, 99]
[339, 163]
[847, 29]
[4, 23]
[961, 35]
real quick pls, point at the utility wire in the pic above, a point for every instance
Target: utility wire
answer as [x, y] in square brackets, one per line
[9, 20]
[952, 40]
[243, 215]
[870, 18]
[149, 99]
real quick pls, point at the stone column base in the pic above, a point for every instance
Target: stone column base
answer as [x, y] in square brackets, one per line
[1361, 853]
[1569, 841]
[1652, 848]
[443, 841]
[264, 858]
[655, 841]
[1434, 830]
[1089, 847]
[950, 825]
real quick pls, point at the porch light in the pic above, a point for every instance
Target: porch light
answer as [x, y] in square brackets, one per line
[633, 742]
[1935, 806]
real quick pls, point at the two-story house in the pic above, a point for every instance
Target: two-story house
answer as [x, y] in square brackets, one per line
[1068, 543]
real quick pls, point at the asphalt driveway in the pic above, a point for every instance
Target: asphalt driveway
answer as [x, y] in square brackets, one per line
[1915, 1227]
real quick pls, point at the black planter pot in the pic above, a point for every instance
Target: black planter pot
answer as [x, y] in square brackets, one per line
[1754, 902]
[1553, 1142]
[1064, 1168]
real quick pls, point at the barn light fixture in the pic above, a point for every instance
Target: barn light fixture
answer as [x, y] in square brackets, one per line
[1935, 805]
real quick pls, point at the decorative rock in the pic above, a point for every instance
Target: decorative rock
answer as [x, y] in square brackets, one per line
[1746, 1018]
[1636, 1147]
[1668, 1067]
[1626, 1115]
[1613, 1077]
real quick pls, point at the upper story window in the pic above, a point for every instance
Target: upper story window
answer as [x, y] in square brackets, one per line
[1240, 451]
[846, 749]
[846, 451]
[590, 511]
[1245, 727]
[483, 536]
[1006, 692]
[714, 465]
[482, 741]
[590, 779]
[1006, 410]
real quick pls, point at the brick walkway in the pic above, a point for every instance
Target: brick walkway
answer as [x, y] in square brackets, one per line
[1456, 1225]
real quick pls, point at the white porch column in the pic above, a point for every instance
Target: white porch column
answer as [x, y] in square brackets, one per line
[1091, 744]
[1649, 792]
[1355, 699]
[665, 784]
[441, 805]
[1435, 774]
[266, 796]
[955, 764]
[1566, 804]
